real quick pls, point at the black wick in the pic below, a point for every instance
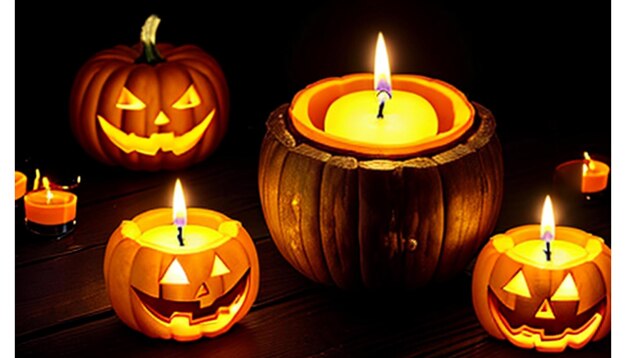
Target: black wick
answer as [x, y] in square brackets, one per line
[381, 106]
[180, 236]
[547, 251]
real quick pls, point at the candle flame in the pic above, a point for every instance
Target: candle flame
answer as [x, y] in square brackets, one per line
[46, 185]
[36, 182]
[588, 164]
[382, 73]
[547, 221]
[179, 207]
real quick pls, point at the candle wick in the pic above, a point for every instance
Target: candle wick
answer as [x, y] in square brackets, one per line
[180, 236]
[383, 96]
[547, 251]
[380, 110]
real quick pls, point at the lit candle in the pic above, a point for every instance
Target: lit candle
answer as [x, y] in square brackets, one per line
[20, 184]
[180, 235]
[546, 298]
[595, 175]
[50, 212]
[380, 116]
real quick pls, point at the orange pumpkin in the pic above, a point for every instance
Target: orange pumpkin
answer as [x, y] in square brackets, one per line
[150, 107]
[549, 305]
[181, 292]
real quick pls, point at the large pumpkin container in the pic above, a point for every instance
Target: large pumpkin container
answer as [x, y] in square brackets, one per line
[150, 107]
[401, 218]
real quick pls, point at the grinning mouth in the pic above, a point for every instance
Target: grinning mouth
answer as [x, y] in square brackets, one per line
[529, 337]
[166, 142]
[229, 304]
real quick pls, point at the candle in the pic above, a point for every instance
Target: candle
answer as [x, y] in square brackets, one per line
[380, 116]
[595, 175]
[20, 184]
[586, 176]
[178, 273]
[50, 212]
[544, 286]
[349, 114]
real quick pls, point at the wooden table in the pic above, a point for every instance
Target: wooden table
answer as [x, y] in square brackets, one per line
[62, 307]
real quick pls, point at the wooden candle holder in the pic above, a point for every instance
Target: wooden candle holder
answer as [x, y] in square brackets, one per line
[352, 221]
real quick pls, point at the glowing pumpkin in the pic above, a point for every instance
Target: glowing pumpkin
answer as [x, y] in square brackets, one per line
[547, 305]
[150, 107]
[181, 292]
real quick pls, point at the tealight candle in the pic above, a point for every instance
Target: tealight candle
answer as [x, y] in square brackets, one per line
[595, 175]
[586, 176]
[50, 212]
[544, 286]
[20, 185]
[394, 119]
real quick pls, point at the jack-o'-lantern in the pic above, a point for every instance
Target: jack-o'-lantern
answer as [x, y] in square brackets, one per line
[150, 107]
[548, 305]
[181, 292]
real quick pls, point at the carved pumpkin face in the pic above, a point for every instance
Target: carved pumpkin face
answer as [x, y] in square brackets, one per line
[540, 304]
[150, 116]
[184, 293]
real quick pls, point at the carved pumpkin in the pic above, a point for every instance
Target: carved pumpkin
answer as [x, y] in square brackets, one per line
[181, 292]
[547, 305]
[150, 107]
[353, 221]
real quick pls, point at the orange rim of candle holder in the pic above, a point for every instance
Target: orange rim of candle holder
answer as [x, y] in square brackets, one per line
[51, 214]
[134, 228]
[590, 243]
[20, 184]
[308, 109]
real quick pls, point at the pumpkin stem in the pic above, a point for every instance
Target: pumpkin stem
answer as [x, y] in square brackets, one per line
[150, 54]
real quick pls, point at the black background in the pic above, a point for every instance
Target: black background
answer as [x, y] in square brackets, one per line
[541, 67]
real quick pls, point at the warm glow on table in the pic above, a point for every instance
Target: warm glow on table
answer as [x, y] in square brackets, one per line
[50, 207]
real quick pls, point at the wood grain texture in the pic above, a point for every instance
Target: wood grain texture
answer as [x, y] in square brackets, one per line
[412, 221]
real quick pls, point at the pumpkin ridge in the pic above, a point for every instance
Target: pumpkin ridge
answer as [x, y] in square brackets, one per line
[206, 145]
[89, 109]
[209, 71]
[294, 256]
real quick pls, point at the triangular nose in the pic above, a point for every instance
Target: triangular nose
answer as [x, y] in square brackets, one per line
[161, 119]
[545, 311]
[202, 291]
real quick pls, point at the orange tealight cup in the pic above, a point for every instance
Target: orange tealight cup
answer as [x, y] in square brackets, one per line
[50, 212]
[20, 185]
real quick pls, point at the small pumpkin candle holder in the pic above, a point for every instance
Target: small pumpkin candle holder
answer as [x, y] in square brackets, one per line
[181, 273]
[364, 213]
[150, 107]
[21, 182]
[544, 287]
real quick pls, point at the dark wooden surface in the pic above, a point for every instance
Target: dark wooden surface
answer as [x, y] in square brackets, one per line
[62, 307]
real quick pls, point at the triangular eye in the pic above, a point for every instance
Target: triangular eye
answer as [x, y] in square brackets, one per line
[129, 101]
[189, 99]
[567, 291]
[219, 267]
[175, 275]
[518, 285]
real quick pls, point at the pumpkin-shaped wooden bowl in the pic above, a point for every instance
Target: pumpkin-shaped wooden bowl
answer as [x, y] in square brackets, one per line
[360, 221]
